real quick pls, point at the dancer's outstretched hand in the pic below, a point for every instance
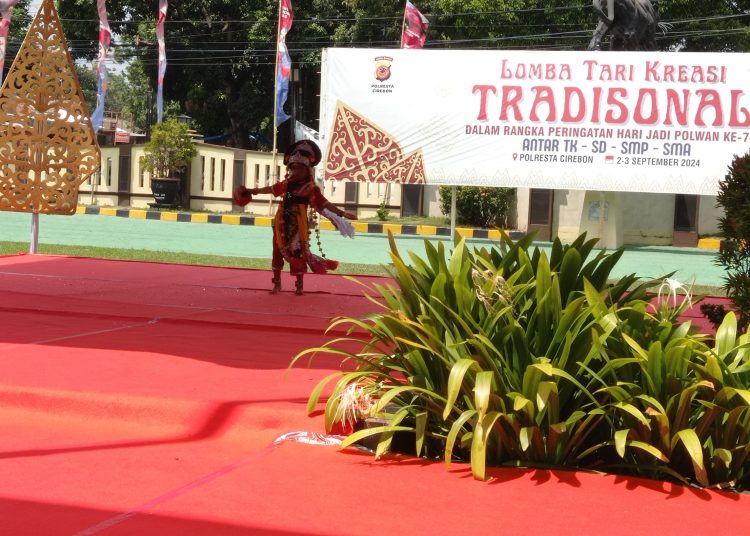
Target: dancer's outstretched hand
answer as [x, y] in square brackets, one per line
[242, 196]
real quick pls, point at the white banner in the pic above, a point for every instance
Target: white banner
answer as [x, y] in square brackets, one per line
[620, 121]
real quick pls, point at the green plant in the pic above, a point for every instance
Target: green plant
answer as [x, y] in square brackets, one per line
[480, 206]
[512, 356]
[687, 414]
[169, 150]
[382, 211]
[734, 255]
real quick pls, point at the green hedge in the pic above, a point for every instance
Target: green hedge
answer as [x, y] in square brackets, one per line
[484, 207]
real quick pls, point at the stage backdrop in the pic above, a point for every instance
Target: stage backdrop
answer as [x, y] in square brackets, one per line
[621, 121]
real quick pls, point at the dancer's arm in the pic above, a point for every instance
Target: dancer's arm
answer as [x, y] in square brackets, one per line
[336, 210]
[262, 190]
[320, 203]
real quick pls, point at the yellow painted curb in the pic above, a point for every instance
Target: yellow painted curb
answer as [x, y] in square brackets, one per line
[709, 243]
[108, 211]
[80, 210]
[466, 233]
[230, 219]
[137, 214]
[360, 227]
[395, 228]
[168, 216]
[426, 229]
[263, 221]
[493, 234]
[327, 225]
[199, 218]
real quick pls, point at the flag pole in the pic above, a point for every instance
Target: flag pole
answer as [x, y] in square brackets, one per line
[274, 175]
[276, 81]
[403, 25]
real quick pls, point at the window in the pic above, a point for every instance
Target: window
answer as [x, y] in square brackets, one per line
[222, 176]
[203, 172]
[213, 174]
[685, 212]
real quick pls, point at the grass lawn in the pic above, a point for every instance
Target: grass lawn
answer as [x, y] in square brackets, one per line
[11, 248]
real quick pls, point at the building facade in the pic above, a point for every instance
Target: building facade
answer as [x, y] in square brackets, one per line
[627, 218]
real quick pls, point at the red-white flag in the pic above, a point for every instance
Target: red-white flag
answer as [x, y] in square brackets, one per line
[283, 60]
[6, 6]
[415, 27]
[162, 60]
[105, 39]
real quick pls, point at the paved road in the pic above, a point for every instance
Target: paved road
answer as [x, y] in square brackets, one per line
[253, 241]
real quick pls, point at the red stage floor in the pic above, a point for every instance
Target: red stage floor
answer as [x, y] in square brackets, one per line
[142, 398]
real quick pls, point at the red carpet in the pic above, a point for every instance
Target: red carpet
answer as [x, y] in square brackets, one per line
[143, 399]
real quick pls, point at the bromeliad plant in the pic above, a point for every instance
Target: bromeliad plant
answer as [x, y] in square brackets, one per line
[514, 356]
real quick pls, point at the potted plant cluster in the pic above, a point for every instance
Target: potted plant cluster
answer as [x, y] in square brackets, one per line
[517, 355]
[167, 154]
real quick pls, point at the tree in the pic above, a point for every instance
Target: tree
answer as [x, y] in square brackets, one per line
[734, 255]
[169, 150]
[221, 54]
[19, 23]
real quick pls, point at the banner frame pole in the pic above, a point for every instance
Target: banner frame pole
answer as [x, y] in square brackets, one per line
[453, 212]
[34, 241]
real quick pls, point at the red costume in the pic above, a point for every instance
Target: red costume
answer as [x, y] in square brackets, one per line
[291, 229]
[291, 233]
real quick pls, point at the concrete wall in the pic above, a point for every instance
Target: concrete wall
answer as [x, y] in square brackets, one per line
[629, 217]
[648, 218]
[101, 189]
[708, 215]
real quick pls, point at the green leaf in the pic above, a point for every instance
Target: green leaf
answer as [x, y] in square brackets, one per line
[393, 392]
[630, 409]
[692, 444]
[420, 425]
[479, 444]
[728, 393]
[726, 335]
[544, 391]
[713, 369]
[568, 273]
[521, 403]
[457, 258]
[450, 440]
[316, 392]
[526, 437]
[367, 432]
[722, 456]
[645, 447]
[455, 382]
[386, 438]
[621, 437]
[482, 388]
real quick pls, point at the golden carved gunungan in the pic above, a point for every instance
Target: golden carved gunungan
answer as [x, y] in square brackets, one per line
[48, 145]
